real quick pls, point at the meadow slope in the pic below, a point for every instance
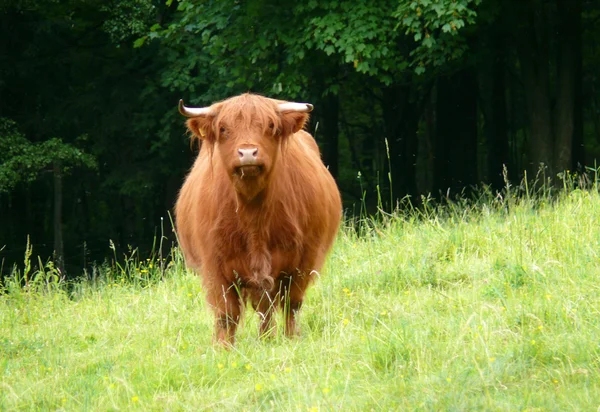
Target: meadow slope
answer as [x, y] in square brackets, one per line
[487, 307]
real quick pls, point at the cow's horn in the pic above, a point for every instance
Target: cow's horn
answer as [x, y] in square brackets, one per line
[193, 111]
[295, 107]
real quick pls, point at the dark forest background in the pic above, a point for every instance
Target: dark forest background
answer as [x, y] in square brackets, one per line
[411, 98]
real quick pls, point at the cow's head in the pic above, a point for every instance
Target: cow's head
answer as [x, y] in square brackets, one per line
[247, 132]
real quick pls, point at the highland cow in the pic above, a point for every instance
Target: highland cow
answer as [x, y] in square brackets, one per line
[258, 212]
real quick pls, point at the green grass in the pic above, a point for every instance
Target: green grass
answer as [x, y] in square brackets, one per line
[492, 306]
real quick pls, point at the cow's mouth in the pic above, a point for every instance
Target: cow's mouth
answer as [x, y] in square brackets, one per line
[248, 171]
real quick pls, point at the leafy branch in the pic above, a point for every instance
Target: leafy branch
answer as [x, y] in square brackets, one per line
[23, 161]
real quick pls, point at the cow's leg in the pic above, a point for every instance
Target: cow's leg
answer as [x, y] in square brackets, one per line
[262, 303]
[293, 288]
[226, 303]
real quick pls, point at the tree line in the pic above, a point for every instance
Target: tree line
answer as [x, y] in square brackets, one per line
[411, 97]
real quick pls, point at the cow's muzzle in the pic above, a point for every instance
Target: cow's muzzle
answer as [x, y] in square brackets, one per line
[248, 171]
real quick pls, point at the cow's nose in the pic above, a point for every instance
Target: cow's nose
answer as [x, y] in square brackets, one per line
[248, 155]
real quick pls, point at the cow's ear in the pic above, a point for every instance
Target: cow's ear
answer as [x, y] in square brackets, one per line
[292, 122]
[202, 127]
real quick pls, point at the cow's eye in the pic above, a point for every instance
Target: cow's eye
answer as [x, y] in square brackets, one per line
[222, 130]
[271, 125]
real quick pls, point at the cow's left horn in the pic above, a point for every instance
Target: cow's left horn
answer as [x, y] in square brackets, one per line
[193, 111]
[295, 107]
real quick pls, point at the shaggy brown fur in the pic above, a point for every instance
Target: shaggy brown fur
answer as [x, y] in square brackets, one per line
[261, 232]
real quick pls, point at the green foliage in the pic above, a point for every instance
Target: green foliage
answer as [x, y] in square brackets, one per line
[360, 33]
[217, 49]
[275, 48]
[128, 18]
[220, 48]
[437, 28]
[23, 161]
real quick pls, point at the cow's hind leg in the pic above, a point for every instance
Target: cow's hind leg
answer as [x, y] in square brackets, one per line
[226, 303]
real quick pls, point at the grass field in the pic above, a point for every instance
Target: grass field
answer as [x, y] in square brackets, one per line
[493, 306]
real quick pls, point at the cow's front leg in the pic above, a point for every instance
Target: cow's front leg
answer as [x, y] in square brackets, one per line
[226, 303]
[293, 288]
[291, 327]
[262, 303]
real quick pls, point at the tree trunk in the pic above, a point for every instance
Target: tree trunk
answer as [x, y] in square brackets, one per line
[329, 131]
[533, 56]
[426, 167]
[401, 120]
[456, 132]
[569, 12]
[493, 98]
[578, 149]
[59, 259]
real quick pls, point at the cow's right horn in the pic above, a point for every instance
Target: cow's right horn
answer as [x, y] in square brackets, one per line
[193, 111]
[295, 107]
